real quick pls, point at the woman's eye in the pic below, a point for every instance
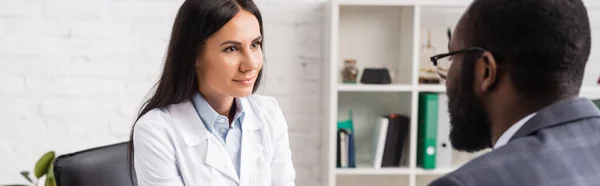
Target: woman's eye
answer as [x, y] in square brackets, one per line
[256, 44]
[230, 49]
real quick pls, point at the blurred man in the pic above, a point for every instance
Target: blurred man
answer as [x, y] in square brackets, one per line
[513, 76]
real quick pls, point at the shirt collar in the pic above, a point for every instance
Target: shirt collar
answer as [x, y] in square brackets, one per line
[511, 131]
[209, 116]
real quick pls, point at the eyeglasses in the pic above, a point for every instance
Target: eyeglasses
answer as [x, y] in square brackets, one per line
[443, 61]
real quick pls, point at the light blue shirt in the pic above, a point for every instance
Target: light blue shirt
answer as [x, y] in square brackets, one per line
[218, 125]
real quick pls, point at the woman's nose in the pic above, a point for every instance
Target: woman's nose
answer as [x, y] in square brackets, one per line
[251, 62]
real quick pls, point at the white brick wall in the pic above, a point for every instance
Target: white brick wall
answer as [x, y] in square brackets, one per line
[73, 74]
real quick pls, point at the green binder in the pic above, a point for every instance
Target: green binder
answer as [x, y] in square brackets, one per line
[427, 130]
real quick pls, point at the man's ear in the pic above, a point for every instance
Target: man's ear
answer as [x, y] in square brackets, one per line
[487, 72]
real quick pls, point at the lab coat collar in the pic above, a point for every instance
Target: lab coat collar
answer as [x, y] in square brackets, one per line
[216, 157]
[251, 114]
[194, 131]
[208, 115]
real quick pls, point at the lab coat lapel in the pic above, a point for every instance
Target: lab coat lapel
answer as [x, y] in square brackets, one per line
[218, 158]
[195, 133]
[251, 144]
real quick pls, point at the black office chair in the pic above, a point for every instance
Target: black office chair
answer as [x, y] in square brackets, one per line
[100, 166]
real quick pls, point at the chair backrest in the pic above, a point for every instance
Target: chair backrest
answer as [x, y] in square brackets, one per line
[100, 166]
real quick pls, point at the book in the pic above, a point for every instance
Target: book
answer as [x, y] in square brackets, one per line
[427, 130]
[346, 147]
[395, 140]
[444, 148]
[379, 136]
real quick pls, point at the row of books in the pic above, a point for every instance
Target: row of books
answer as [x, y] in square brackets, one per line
[390, 142]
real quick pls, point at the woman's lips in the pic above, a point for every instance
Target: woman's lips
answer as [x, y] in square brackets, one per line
[245, 81]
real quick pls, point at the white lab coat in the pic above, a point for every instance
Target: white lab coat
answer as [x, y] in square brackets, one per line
[174, 148]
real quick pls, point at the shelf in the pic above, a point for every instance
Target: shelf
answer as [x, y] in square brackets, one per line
[447, 3]
[431, 88]
[373, 171]
[373, 88]
[392, 171]
[378, 2]
[404, 2]
[590, 89]
[442, 88]
[390, 34]
[376, 37]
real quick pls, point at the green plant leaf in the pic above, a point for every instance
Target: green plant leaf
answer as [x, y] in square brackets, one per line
[26, 175]
[50, 181]
[50, 173]
[41, 167]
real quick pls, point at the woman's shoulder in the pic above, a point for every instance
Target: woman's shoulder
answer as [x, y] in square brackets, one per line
[154, 118]
[159, 116]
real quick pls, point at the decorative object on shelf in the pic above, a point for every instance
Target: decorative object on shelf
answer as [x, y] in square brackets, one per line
[43, 167]
[427, 50]
[598, 80]
[376, 76]
[350, 72]
[428, 76]
[346, 146]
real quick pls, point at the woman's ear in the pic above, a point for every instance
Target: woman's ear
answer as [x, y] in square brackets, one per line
[489, 72]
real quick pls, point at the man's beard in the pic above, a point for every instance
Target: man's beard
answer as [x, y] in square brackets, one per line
[470, 125]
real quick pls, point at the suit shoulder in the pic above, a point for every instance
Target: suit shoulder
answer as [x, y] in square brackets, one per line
[448, 180]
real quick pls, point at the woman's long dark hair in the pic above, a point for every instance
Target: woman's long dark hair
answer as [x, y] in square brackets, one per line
[196, 21]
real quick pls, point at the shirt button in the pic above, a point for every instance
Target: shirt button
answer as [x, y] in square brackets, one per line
[223, 131]
[221, 120]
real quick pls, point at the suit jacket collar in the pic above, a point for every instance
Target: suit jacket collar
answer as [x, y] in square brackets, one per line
[562, 112]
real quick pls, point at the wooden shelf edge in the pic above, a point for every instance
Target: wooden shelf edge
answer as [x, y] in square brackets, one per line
[374, 88]
[403, 2]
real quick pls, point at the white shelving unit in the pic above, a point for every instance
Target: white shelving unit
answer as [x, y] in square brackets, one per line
[386, 33]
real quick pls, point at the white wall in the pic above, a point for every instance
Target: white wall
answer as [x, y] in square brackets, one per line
[73, 74]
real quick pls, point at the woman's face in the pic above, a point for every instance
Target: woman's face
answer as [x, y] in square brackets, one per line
[232, 57]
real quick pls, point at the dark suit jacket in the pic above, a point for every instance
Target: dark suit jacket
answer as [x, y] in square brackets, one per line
[559, 146]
